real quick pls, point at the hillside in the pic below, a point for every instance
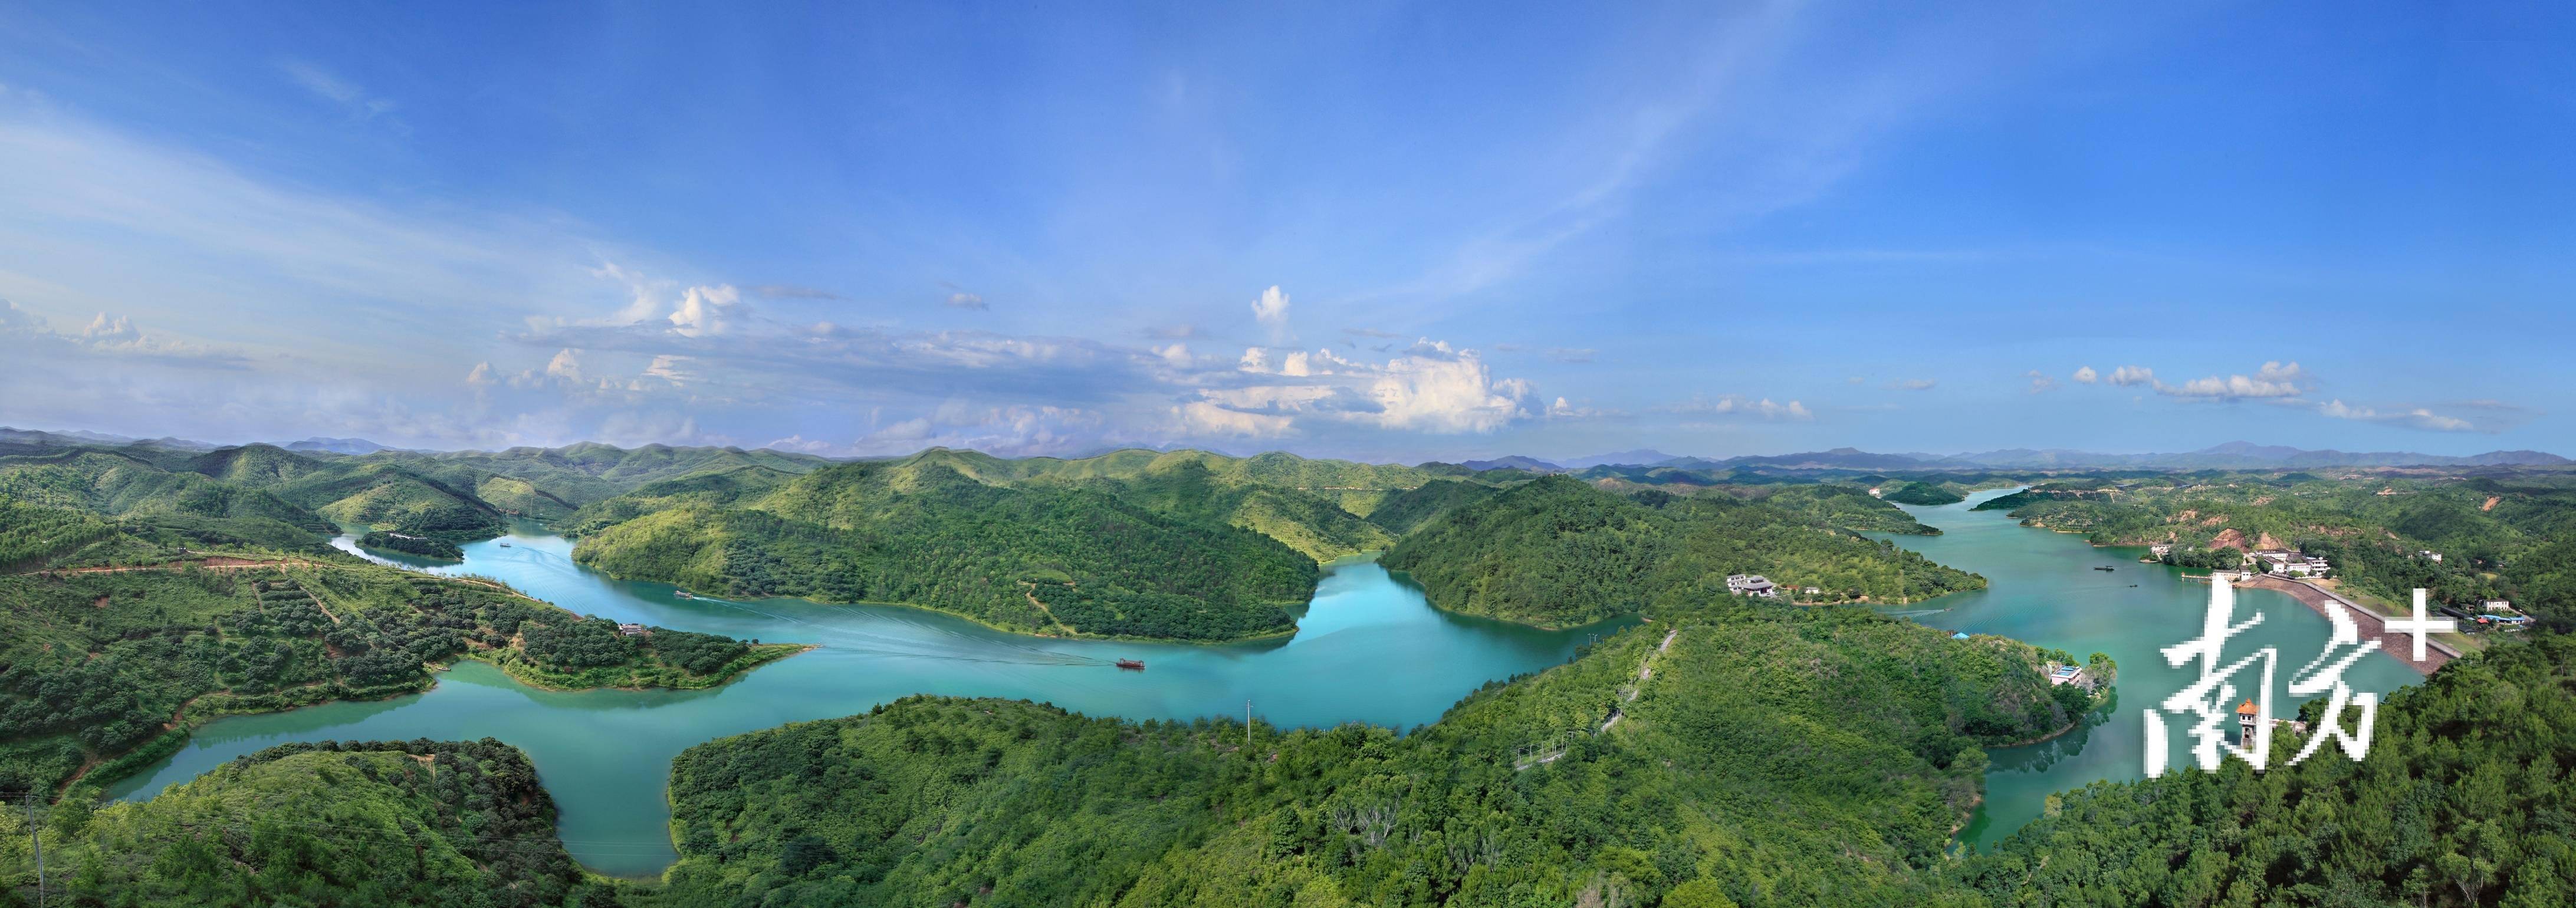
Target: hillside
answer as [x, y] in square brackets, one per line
[1047, 558]
[558, 480]
[361, 823]
[1923, 493]
[1769, 756]
[2462, 800]
[1557, 552]
[94, 665]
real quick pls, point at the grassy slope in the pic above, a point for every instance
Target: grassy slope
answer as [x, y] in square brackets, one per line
[1774, 756]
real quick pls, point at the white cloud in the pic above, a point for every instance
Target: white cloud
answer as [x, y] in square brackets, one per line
[2274, 380]
[2132, 375]
[964, 300]
[2041, 381]
[707, 310]
[2416, 418]
[1562, 409]
[481, 376]
[802, 445]
[1912, 384]
[1271, 310]
[1431, 387]
[1739, 405]
[566, 365]
[2085, 375]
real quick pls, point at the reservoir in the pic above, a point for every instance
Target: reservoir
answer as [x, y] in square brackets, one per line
[1368, 648]
[2043, 589]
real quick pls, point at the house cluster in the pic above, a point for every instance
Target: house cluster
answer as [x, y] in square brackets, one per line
[2501, 614]
[2276, 561]
[1752, 585]
[2430, 555]
[2059, 673]
[2160, 549]
[633, 630]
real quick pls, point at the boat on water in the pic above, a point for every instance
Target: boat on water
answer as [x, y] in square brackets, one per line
[1136, 664]
[684, 594]
[505, 545]
[2103, 568]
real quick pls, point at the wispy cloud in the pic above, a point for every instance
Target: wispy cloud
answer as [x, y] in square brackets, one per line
[348, 95]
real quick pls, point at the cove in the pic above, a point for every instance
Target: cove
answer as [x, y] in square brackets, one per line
[1368, 648]
[2043, 589]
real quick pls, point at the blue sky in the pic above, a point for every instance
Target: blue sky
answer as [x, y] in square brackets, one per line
[1392, 231]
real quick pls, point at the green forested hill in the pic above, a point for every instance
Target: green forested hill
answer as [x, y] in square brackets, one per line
[2510, 536]
[1560, 552]
[362, 823]
[1841, 506]
[1405, 511]
[2463, 799]
[1923, 493]
[1771, 756]
[558, 480]
[1037, 558]
[101, 664]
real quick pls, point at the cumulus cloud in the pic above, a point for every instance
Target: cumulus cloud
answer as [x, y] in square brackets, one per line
[707, 310]
[1562, 409]
[2085, 375]
[2274, 380]
[1431, 387]
[964, 300]
[1739, 405]
[2042, 381]
[1271, 310]
[481, 375]
[2132, 375]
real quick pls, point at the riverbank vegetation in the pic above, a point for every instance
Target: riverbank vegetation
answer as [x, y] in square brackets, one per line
[1559, 552]
[1524, 793]
[426, 547]
[95, 664]
[2462, 800]
[360, 823]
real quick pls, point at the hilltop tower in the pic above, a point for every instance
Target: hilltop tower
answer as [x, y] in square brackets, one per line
[2246, 716]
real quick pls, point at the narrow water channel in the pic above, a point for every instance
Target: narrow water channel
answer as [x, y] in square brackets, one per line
[1368, 649]
[2043, 588]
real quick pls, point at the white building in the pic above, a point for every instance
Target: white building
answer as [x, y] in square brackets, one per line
[1752, 585]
